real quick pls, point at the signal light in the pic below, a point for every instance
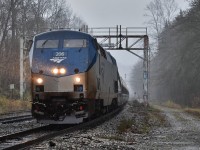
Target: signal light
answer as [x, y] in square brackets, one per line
[81, 108]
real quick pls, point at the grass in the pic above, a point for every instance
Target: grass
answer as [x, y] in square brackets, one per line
[125, 125]
[10, 105]
[156, 114]
[193, 111]
[171, 104]
[148, 118]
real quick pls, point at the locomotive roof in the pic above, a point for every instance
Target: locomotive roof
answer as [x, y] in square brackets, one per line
[64, 33]
[55, 34]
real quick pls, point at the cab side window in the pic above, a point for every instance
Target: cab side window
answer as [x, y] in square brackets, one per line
[100, 49]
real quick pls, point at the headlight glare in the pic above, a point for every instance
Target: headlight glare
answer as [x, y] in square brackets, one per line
[39, 80]
[77, 79]
[55, 71]
[62, 71]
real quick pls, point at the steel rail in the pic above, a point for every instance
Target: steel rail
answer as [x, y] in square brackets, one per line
[66, 130]
[15, 119]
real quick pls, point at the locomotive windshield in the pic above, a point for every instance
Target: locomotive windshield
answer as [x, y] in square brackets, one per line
[68, 49]
[75, 43]
[47, 44]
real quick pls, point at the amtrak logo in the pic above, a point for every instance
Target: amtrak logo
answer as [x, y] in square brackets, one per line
[58, 59]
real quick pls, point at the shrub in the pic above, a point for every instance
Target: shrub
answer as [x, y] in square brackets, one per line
[9, 105]
[171, 104]
[124, 125]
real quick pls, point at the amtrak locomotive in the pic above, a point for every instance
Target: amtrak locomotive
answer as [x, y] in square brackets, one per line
[73, 78]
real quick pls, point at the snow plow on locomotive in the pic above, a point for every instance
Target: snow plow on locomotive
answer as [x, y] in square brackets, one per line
[73, 78]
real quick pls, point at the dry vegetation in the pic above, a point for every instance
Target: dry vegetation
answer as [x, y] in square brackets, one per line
[125, 125]
[193, 111]
[171, 104]
[10, 105]
[157, 117]
[143, 121]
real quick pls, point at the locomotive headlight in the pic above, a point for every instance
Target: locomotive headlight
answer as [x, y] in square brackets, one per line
[77, 79]
[62, 71]
[39, 80]
[55, 71]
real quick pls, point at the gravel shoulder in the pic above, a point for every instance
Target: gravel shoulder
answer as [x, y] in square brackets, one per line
[127, 130]
[15, 127]
[183, 133]
[166, 129]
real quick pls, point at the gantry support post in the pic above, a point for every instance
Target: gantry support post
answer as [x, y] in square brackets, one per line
[145, 70]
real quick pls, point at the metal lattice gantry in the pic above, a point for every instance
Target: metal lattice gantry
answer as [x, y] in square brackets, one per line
[130, 39]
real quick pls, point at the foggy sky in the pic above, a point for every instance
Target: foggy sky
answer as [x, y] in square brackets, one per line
[109, 13]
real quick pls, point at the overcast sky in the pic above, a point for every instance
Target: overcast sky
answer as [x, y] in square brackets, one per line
[109, 13]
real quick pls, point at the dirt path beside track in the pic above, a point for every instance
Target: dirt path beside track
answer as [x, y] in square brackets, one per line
[182, 134]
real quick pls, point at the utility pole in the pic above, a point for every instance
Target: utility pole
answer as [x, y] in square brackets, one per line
[21, 67]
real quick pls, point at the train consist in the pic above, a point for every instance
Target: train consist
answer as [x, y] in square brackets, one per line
[73, 78]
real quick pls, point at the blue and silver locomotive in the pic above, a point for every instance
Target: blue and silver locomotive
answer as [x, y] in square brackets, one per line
[73, 78]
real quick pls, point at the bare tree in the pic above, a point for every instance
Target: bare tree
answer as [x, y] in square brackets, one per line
[5, 23]
[137, 79]
[160, 14]
[27, 18]
[77, 22]
[59, 14]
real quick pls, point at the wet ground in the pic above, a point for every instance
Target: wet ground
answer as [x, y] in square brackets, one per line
[183, 132]
[180, 131]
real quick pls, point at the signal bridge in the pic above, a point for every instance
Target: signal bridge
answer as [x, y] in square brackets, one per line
[130, 39]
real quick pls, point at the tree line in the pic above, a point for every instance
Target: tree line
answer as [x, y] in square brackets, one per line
[25, 18]
[175, 69]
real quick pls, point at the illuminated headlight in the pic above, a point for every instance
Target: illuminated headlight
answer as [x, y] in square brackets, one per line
[39, 80]
[62, 71]
[55, 71]
[77, 79]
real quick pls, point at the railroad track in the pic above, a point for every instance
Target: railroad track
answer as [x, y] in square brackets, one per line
[35, 136]
[13, 141]
[15, 119]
